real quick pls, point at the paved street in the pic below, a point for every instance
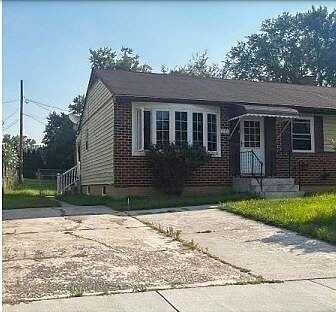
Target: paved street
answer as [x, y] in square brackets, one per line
[102, 255]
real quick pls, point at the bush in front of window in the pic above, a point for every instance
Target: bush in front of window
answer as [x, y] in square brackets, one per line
[172, 165]
[333, 144]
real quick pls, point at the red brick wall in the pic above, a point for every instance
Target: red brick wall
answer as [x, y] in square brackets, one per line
[135, 171]
[307, 168]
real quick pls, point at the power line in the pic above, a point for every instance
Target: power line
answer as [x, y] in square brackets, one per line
[10, 101]
[46, 105]
[33, 117]
[12, 124]
[40, 106]
[11, 115]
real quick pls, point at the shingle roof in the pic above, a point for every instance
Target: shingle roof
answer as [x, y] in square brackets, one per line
[163, 86]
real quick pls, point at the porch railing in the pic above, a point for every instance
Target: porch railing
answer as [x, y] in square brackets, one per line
[67, 179]
[251, 166]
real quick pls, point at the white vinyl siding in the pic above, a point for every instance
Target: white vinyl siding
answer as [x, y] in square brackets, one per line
[329, 130]
[97, 130]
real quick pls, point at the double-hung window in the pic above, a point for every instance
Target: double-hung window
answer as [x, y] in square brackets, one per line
[181, 128]
[162, 128]
[197, 129]
[212, 132]
[142, 135]
[303, 134]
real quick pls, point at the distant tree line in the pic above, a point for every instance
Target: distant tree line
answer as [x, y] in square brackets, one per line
[287, 49]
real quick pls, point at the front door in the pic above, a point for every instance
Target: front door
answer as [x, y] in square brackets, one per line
[252, 146]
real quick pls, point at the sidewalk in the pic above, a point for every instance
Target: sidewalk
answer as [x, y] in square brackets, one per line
[295, 296]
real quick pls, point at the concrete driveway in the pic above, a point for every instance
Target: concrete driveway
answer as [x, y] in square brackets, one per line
[51, 253]
[73, 251]
[271, 252]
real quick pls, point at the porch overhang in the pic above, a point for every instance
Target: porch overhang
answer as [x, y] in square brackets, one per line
[264, 111]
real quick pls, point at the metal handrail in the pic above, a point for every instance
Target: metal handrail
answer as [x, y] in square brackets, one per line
[252, 159]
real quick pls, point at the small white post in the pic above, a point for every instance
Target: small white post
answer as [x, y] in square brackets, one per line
[58, 183]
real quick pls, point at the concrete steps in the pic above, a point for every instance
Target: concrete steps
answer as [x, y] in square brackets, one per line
[284, 194]
[272, 187]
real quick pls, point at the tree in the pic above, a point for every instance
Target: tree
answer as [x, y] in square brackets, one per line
[15, 141]
[77, 105]
[32, 153]
[10, 156]
[33, 160]
[10, 162]
[59, 140]
[288, 49]
[198, 66]
[125, 59]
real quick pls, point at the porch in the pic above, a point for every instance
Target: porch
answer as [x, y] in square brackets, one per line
[261, 145]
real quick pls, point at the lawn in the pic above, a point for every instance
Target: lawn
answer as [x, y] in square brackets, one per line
[31, 194]
[313, 215]
[136, 203]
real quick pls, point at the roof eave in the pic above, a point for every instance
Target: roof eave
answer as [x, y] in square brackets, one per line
[326, 110]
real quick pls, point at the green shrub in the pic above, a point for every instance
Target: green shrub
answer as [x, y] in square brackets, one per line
[172, 165]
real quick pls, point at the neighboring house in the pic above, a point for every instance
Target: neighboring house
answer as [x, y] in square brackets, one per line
[251, 130]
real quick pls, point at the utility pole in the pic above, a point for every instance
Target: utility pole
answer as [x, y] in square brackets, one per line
[21, 134]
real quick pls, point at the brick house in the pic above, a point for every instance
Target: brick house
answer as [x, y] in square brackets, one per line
[254, 131]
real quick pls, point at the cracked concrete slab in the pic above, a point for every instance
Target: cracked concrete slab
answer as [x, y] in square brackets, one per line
[79, 251]
[296, 296]
[328, 282]
[268, 251]
[144, 302]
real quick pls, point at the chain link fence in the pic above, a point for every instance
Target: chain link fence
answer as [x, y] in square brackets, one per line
[46, 179]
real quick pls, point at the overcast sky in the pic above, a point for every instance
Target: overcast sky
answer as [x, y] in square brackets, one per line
[46, 43]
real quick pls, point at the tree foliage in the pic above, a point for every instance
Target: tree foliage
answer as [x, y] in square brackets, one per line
[287, 49]
[198, 66]
[125, 59]
[15, 141]
[33, 155]
[77, 105]
[59, 140]
[333, 144]
[10, 155]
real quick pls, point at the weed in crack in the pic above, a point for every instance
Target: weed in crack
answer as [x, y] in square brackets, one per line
[76, 291]
[192, 245]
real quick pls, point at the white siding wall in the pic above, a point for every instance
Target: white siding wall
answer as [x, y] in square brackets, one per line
[329, 130]
[97, 161]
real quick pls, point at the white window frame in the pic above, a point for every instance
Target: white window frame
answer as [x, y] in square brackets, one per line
[192, 124]
[169, 123]
[188, 121]
[172, 108]
[312, 134]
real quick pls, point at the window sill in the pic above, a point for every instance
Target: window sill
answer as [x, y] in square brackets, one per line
[143, 153]
[303, 152]
[138, 153]
[215, 154]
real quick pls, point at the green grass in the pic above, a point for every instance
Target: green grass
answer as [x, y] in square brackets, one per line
[31, 194]
[313, 215]
[137, 203]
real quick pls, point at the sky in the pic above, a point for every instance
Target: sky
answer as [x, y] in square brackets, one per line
[46, 43]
